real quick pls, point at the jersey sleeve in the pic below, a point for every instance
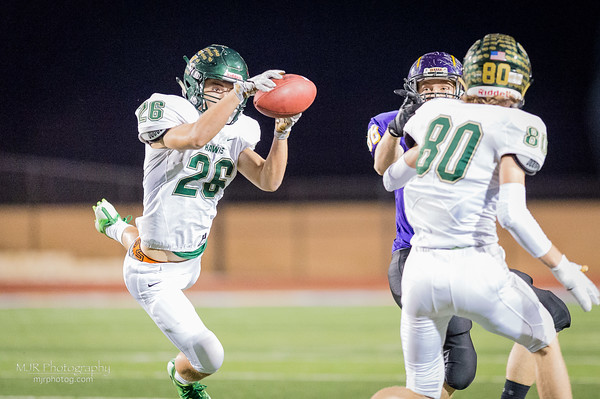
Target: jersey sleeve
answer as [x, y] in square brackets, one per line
[526, 139]
[376, 129]
[161, 112]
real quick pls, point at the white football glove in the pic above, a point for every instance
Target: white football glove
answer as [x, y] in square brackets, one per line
[262, 82]
[569, 274]
[283, 126]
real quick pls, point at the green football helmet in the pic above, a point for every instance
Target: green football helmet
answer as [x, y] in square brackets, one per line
[497, 65]
[213, 62]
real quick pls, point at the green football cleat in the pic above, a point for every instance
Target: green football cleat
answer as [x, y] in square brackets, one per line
[106, 215]
[192, 391]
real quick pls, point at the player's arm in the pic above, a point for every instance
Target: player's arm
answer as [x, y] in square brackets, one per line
[387, 152]
[197, 134]
[267, 174]
[209, 124]
[390, 142]
[514, 216]
[400, 172]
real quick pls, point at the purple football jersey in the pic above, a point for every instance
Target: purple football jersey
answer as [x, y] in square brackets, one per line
[376, 129]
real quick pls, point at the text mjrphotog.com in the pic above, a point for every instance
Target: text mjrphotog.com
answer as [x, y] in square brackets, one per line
[62, 379]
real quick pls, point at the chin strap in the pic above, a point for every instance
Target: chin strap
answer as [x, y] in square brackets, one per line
[182, 85]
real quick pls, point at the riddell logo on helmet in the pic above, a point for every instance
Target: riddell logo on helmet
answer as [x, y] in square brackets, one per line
[233, 75]
[485, 91]
[482, 92]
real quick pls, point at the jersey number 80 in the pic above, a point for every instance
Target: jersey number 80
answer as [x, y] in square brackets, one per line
[456, 158]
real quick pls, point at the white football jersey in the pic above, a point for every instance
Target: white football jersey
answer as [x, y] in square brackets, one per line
[452, 201]
[182, 188]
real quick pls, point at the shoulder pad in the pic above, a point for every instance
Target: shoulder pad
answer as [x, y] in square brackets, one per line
[529, 165]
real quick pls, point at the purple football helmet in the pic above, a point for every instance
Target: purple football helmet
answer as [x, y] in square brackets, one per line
[436, 65]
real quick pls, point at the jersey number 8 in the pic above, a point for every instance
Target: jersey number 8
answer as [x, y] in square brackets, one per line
[495, 73]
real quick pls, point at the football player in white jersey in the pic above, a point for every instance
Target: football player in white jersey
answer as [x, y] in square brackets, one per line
[469, 170]
[195, 145]
[434, 75]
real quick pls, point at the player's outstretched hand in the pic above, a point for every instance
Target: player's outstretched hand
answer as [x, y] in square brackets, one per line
[569, 274]
[412, 102]
[283, 126]
[262, 82]
[409, 96]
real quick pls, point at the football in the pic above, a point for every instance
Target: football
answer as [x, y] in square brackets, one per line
[293, 94]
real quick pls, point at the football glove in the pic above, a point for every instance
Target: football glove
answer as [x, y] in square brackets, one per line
[262, 82]
[283, 126]
[412, 102]
[569, 274]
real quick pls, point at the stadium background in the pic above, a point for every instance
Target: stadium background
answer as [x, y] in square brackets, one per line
[77, 71]
[73, 73]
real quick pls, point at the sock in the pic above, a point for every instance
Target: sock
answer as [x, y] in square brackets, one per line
[115, 231]
[514, 390]
[182, 380]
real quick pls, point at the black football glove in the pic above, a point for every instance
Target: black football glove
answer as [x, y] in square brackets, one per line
[412, 102]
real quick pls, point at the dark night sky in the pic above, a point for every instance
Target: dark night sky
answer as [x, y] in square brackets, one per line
[73, 74]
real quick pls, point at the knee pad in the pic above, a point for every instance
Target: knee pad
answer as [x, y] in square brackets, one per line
[209, 353]
[459, 325]
[395, 282]
[557, 308]
[395, 274]
[460, 360]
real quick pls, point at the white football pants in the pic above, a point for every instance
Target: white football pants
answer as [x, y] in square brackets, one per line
[474, 283]
[158, 288]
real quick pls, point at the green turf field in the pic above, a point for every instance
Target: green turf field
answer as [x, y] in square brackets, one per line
[270, 352]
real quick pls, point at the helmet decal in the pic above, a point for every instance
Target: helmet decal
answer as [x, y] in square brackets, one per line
[497, 65]
[208, 53]
[213, 62]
